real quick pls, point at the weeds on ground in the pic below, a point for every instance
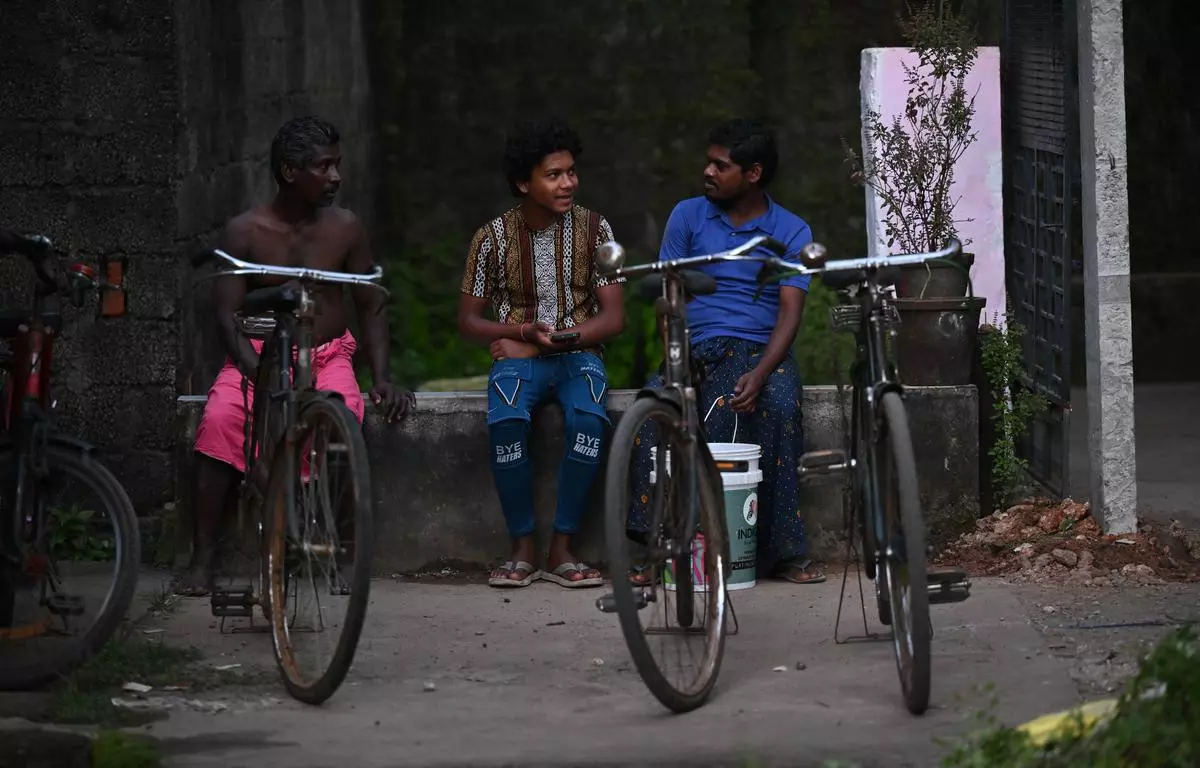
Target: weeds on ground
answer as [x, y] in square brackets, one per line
[114, 749]
[85, 696]
[1156, 723]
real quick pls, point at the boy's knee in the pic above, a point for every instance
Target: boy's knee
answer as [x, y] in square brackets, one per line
[510, 443]
[584, 436]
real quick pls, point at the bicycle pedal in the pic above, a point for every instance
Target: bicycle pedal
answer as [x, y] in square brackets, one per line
[233, 602]
[824, 462]
[65, 605]
[948, 587]
[608, 603]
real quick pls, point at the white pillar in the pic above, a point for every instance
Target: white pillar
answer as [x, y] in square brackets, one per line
[1109, 321]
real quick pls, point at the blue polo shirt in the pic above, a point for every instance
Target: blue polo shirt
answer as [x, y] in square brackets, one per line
[697, 227]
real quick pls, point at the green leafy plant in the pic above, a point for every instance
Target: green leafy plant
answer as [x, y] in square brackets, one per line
[1013, 406]
[1154, 723]
[72, 537]
[910, 159]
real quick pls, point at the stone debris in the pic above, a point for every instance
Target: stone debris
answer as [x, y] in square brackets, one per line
[1046, 541]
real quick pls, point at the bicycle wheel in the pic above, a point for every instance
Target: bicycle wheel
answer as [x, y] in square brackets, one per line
[319, 546]
[904, 559]
[862, 502]
[667, 518]
[79, 524]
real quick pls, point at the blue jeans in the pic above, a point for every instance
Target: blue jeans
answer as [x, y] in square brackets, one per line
[775, 425]
[579, 382]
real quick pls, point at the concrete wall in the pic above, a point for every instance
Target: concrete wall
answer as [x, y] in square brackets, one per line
[435, 500]
[134, 129]
[978, 175]
[88, 95]
[245, 69]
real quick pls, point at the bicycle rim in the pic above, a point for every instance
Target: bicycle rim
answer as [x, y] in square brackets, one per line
[904, 561]
[59, 610]
[306, 557]
[687, 692]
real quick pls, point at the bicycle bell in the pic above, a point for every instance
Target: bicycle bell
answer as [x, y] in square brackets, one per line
[610, 257]
[814, 255]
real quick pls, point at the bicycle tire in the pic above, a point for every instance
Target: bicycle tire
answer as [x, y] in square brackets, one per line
[712, 521]
[865, 525]
[315, 692]
[112, 495]
[915, 676]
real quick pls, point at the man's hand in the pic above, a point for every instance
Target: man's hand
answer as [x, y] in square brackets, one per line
[539, 334]
[396, 402]
[509, 348]
[746, 391]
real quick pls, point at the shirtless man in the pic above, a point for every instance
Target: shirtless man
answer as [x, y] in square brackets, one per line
[301, 227]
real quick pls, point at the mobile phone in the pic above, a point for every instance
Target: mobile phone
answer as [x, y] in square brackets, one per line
[563, 336]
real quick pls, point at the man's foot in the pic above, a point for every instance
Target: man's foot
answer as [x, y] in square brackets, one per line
[197, 582]
[799, 573]
[573, 575]
[514, 574]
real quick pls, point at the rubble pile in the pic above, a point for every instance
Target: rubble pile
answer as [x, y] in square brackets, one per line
[1048, 541]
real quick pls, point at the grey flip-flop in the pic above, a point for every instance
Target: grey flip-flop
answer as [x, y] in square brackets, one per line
[558, 576]
[533, 574]
[808, 577]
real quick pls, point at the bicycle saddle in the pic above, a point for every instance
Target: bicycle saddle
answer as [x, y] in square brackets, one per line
[695, 283]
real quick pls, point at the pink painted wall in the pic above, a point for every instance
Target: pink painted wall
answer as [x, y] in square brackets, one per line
[978, 179]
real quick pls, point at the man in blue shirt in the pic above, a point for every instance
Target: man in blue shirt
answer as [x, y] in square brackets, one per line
[743, 345]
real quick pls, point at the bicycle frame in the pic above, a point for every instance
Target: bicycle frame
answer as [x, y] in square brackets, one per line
[678, 383]
[292, 343]
[293, 332]
[671, 311]
[25, 422]
[874, 372]
[27, 419]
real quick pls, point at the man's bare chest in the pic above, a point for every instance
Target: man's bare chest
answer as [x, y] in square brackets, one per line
[292, 250]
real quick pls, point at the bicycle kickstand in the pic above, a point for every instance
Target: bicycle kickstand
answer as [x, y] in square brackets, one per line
[852, 555]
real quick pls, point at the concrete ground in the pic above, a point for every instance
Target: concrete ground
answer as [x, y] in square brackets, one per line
[539, 677]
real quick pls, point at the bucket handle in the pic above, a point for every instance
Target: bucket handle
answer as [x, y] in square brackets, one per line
[735, 416]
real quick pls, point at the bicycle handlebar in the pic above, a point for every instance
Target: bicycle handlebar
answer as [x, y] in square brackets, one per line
[610, 258]
[814, 260]
[306, 274]
[36, 248]
[39, 250]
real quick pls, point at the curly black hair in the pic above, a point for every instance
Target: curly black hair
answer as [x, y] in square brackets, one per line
[530, 142]
[295, 141]
[748, 142]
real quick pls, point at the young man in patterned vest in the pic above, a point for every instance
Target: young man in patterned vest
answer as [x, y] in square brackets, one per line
[535, 266]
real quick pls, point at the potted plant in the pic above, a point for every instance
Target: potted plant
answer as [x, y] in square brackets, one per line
[908, 162]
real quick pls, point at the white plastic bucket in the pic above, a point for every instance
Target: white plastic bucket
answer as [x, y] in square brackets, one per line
[740, 476]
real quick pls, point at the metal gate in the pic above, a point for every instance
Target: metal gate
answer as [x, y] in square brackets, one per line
[1041, 181]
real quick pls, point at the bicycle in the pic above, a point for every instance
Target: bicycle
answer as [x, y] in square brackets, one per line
[284, 490]
[47, 626]
[882, 483]
[686, 504]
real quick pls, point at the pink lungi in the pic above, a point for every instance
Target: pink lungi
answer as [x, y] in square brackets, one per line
[220, 435]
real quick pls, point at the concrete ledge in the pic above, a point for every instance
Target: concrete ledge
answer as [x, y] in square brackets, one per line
[436, 502]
